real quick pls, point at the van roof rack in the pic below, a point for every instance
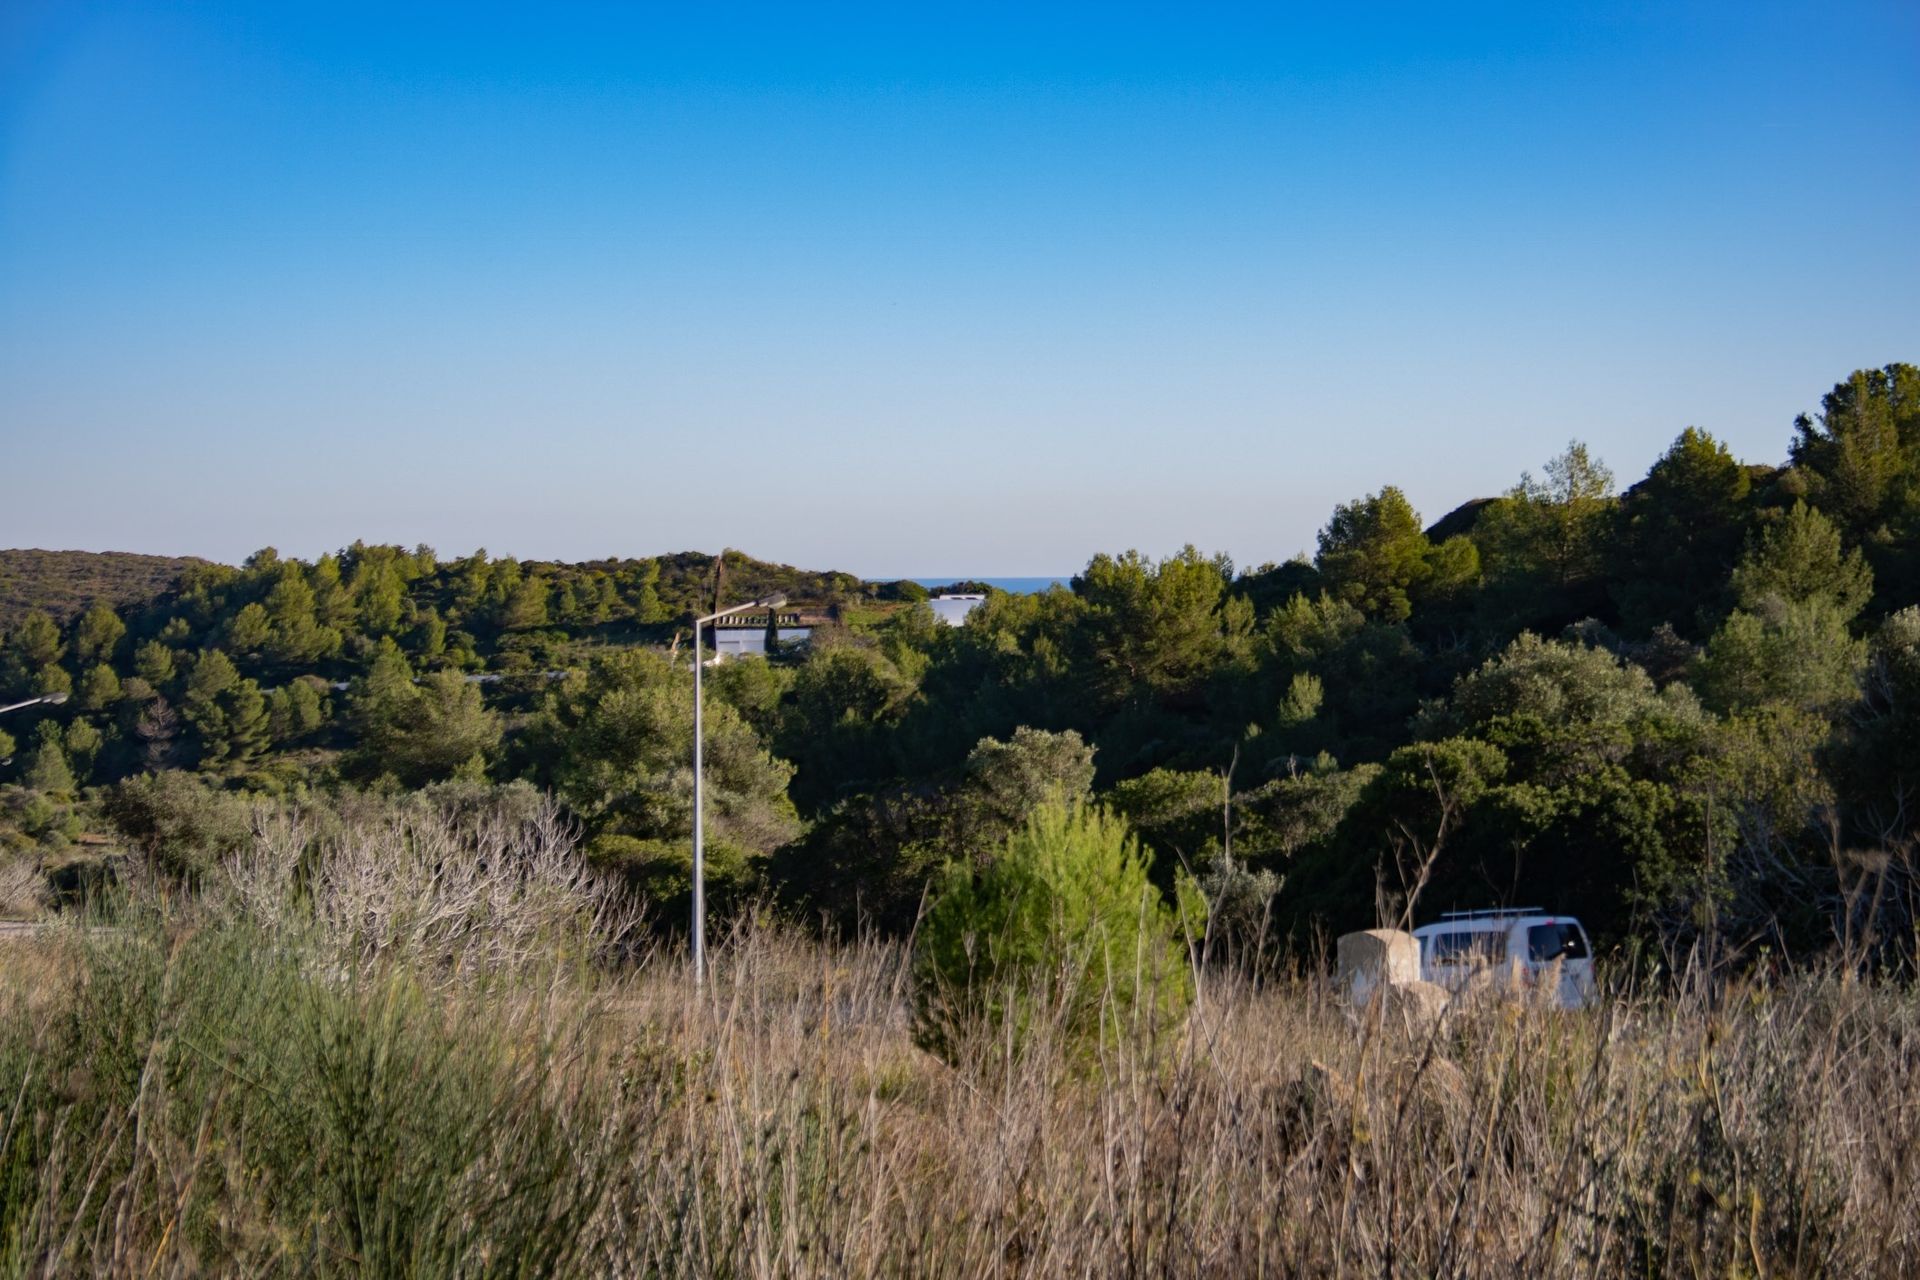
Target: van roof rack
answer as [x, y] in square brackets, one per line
[1493, 911]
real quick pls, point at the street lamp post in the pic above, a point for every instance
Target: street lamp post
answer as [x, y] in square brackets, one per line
[52, 699]
[699, 795]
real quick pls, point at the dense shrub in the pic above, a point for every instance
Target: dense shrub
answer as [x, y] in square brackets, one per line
[1063, 928]
[184, 826]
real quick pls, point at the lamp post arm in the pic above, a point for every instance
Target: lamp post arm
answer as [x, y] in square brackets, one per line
[51, 699]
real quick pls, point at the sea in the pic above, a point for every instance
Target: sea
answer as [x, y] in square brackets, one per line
[1014, 586]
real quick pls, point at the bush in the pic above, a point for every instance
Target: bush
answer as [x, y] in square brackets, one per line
[451, 885]
[215, 1098]
[1064, 930]
[184, 826]
[661, 871]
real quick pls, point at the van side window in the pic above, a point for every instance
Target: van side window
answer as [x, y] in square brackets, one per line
[1555, 942]
[1468, 946]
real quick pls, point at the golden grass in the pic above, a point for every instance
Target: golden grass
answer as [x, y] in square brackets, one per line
[1763, 1135]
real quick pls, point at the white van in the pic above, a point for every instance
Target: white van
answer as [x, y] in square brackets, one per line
[1522, 947]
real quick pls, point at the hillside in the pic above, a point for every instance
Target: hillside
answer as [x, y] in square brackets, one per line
[64, 583]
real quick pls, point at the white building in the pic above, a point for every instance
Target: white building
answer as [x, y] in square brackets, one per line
[739, 642]
[953, 610]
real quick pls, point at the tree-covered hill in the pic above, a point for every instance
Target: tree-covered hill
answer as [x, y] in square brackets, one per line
[1686, 707]
[62, 584]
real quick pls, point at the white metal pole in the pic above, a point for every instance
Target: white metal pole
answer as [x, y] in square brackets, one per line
[699, 785]
[699, 814]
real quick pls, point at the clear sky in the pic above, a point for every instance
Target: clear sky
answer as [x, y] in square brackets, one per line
[910, 292]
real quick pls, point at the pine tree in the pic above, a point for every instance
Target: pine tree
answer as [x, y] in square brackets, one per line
[97, 634]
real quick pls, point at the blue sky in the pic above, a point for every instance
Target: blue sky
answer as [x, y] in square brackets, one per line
[903, 291]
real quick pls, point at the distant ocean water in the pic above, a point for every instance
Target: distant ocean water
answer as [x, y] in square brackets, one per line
[1016, 586]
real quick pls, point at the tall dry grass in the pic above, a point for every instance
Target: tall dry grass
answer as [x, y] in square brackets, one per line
[213, 1091]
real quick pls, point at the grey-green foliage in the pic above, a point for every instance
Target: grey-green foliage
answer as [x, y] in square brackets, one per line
[1801, 560]
[1788, 642]
[617, 745]
[1005, 781]
[1796, 655]
[1567, 688]
[1176, 812]
[183, 824]
[1060, 935]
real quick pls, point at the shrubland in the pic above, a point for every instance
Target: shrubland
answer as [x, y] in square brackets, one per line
[420, 1035]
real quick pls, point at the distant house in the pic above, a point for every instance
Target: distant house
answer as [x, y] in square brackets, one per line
[953, 610]
[740, 642]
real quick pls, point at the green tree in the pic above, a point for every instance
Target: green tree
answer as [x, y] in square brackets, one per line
[437, 729]
[99, 688]
[29, 661]
[377, 586]
[154, 663]
[332, 605]
[1680, 532]
[47, 768]
[1176, 813]
[1063, 931]
[249, 630]
[295, 635]
[1788, 643]
[616, 743]
[184, 824]
[525, 606]
[1800, 560]
[97, 634]
[1301, 702]
[1877, 757]
[228, 713]
[1798, 655]
[1544, 546]
[755, 688]
[1860, 453]
[1151, 628]
[1374, 555]
[836, 721]
[296, 709]
[1008, 781]
[82, 743]
[36, 641]
[1574, 693]
[430, 636]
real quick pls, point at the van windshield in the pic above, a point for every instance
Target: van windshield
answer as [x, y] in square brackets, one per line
[1561, 941]
[1467, 946]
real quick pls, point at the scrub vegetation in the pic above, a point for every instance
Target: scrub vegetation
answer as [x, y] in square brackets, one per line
[359, 889]
[340, 1079]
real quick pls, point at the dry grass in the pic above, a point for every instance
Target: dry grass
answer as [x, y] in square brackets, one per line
[1765, 1136]
[194, 1095]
